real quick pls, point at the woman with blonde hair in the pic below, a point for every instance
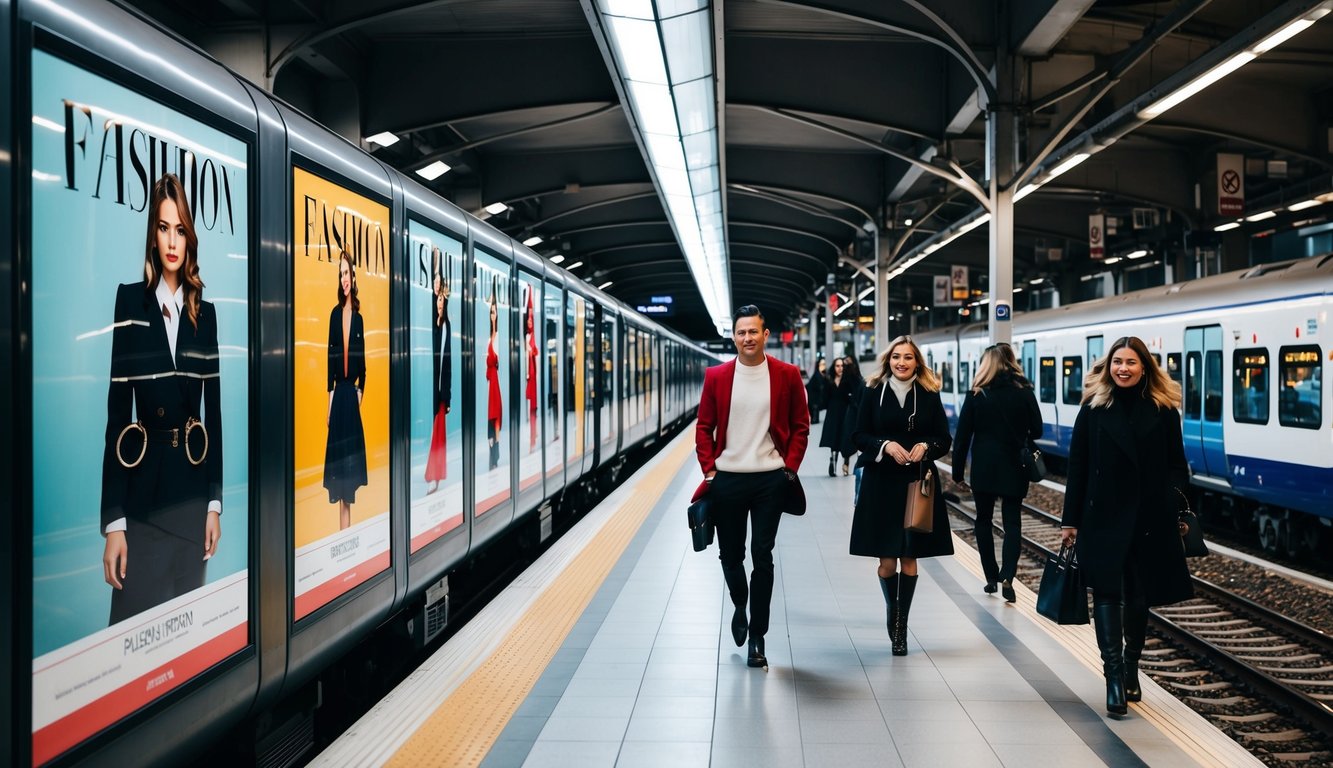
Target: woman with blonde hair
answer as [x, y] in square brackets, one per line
[999, 417]
[901, 429]
[1127, 473]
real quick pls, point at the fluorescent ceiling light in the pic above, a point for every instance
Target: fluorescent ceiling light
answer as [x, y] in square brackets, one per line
[1197, 84]
[558, 258]
[1227, 226]
[1261, 216]
[1140, 253]
[1312, 202]
[605, 285]
[574, 266]
[384, 139]
[1289, 31]
[534, 240]
[1112, 260]
[1037, 281]
[496, 209]
[1025, 191]
[907, 222]
[433, 171]
[1067, 164]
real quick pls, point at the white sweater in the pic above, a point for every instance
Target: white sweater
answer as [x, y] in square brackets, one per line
[749, 447]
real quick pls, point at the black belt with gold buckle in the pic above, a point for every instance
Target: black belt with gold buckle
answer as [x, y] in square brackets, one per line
[174, 437]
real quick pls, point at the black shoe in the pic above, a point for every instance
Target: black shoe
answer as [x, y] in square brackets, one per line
[756, 658]
[990, 588]
[739, 626]
[832, 468]
[1133, 691]
[1007, 589]
[1107, 625]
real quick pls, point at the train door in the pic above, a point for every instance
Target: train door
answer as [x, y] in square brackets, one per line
[1030, 360]
[1202, 418]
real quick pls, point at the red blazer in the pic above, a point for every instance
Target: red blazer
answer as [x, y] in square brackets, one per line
[788, 424]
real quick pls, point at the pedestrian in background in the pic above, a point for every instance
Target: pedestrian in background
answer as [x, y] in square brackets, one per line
[831, 437]
[901, 426]
[853, 384]
[816, 389]
[999, 416]
[1127, 472]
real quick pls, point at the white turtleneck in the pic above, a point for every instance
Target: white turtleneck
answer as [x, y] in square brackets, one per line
[749, 447]
[901, 388]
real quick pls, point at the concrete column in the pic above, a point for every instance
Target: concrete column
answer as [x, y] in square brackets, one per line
[1002, 156]
[883, 249]
[828, 316]
[811, 330]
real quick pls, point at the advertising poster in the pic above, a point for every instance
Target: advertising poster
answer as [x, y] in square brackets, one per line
[576, 381]
[491, 303]
[340, 320]
[529, 361]
[551, 389]
[435, 307]
[140, 339]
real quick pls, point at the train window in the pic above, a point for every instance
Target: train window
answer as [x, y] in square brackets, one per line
[1212, 397]
[1047, 383]
[1097, 348]
[1073, 375]
[1249, 390]
[1299, 399]
[1173, 366]
[1193, 385]
[946, 375]
[1030, 360]
[964, 383]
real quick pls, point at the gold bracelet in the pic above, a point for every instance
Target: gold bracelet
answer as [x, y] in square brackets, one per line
[190, 424]
[143, 449]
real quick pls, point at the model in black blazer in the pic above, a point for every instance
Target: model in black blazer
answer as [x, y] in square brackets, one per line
[442, 394]
[345, 451]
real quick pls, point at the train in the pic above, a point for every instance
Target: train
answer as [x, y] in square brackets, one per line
[375, 387]
[1247, 347]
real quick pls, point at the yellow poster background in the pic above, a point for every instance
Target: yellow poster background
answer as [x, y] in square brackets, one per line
[326, 219]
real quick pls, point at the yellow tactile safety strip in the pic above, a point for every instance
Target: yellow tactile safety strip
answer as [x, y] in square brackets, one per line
[465, 726]
[1195, 736]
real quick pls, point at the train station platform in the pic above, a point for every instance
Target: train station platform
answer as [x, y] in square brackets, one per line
[614, 649]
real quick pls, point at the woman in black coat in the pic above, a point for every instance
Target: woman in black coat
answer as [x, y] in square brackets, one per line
[999, 417]
[853, 385]
[1127, 471]
[831, 436]
[901, 430]
[345, 450]
[816, 389]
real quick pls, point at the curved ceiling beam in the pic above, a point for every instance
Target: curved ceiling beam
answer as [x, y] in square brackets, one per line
[805, 286]
[794, 191]
[345, 25]
[823, 265]
[1231, 136]
[775, 197]
[630, 247]
[837, 249]
[588, 207]
[451, 151]
[959, 178]
[853, 118]
[954, 45]
[600, 227]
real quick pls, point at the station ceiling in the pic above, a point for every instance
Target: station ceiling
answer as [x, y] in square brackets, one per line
[839, 117]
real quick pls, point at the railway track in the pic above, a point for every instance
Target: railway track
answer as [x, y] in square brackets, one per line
[1262, 677]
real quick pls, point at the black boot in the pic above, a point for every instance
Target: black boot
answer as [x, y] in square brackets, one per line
[756, 658]
[906, 588]
[1136, 628]
[1107, 621]
[833, 465]
[739, 590]
[889, 586]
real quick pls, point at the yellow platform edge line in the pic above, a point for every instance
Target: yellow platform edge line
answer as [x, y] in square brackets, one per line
[1172, 717]
[465, 726]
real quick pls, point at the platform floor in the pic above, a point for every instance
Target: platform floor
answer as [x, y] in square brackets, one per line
[643, 672]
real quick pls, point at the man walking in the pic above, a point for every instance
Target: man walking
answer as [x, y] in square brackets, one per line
[751, 436]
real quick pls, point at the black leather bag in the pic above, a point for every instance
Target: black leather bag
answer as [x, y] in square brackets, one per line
[1192, 539]
[1033, 464]
[1062, 597]
[701, 524]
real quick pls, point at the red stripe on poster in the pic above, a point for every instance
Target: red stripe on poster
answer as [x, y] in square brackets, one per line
[70, 730]
[426, 537]
[310, 601]
[486, 505]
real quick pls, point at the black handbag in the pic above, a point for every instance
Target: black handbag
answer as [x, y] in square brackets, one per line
[1192, 539]
[1062, 597]
[1033, 464]
[701, 524]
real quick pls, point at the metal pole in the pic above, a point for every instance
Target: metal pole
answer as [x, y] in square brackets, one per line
[828, 316]
[1002, 141]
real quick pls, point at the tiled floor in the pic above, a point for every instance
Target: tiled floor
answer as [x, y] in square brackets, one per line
[650, 676]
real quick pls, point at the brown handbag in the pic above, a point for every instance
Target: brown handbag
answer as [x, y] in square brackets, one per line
[919, 512]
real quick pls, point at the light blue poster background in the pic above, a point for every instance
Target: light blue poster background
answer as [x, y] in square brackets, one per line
[421, 240]
[493, 485]
[85, 242]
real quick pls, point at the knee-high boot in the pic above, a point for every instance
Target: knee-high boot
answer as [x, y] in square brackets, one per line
[739, 589]
[833, 463]
[1108, 623]
[906, 588]
[1136, 628]
[889, 586]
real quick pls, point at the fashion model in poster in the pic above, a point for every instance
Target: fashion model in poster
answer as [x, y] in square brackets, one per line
[494, 408]
[437, 463]
[345, 452]
[162, 466]
[530, 346]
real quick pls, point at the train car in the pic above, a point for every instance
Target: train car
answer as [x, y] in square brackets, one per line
[268, 395]
[1249, 349]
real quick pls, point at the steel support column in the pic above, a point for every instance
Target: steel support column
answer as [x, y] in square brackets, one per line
[1002, 156]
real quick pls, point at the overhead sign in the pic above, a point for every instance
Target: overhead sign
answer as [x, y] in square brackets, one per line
[660, 310]
[942, 297]
[958, 284]
[1230, 184]
[1097, 236]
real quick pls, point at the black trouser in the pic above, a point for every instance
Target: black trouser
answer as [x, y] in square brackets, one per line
[1011, 510]
[160, 566]
[760, 494]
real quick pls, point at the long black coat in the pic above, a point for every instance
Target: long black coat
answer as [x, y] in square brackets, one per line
[877, 523]
[837, 404]
[816, 391]
[995, 425]
[163, 489]
[1126, 461]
